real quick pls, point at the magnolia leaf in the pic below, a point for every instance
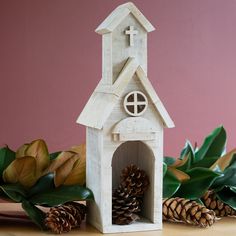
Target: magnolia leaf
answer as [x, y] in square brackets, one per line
[35, 214]
[4, 196]
[78, 172]
[164, 168]
[59, 161]
[54, 155]
[206, 162]
[45, 183]
[169, 160]
[224, 161]
[180, 175]
[62, 195]
[21, 170]
[187, 148]
[187, 156]
[217, 169]
[64, 170]
[199, 182]
[80, 149]
[6, 157]
[213, 145]
[170, 185]
[21, 150]
[14, 191]
[228, 178]
[179, 163]
[227, 196]
[233, 189]
[39, 150]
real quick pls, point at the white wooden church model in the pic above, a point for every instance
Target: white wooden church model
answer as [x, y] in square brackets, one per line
[124, 121]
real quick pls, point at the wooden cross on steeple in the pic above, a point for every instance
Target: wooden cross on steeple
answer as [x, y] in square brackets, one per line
[131, 32]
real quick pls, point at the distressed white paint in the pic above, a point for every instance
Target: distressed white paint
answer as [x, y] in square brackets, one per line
[113, 138]
[105, 97]
[118, 15]
[149, 159]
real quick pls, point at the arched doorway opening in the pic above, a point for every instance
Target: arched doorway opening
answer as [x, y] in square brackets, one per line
[140, 154]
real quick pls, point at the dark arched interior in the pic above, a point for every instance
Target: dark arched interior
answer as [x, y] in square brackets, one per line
[138, 153]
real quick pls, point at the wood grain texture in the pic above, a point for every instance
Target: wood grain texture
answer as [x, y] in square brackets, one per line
[147, 153]
[105, 97]
[114, 138]
[118, 15]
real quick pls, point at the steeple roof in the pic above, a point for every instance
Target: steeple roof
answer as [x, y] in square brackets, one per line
[105, 97]
[118, 15]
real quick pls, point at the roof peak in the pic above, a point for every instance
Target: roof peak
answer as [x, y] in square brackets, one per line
[117, 16]
[105, 97]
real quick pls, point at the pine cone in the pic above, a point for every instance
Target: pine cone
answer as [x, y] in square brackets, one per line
[221, 209]
[187, 211]
[65, 217]
[135, 180]
[124, 207]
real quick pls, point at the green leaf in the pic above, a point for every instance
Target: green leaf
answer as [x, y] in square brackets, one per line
[22, 170]
[232, 163]
[227, 196]
[198, 200]
[54, 155]
[4, 196]
[188, 163]
[207, 162]
[233, 189]
[169, 160]
[6, 157]
[225, 161]
[14, 191]
[164, 168]
[213, 145]
[170, 185]
[187, 148]
[228, 178]
[45, 183]
[62, 195]
[38, 149]
[180, 175]
[35, 214]
[199, 182]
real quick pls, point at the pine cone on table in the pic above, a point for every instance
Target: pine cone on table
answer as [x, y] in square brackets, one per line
[63, 218]
[124, 207]
[220, 208]
[135, 180]
[187, 211]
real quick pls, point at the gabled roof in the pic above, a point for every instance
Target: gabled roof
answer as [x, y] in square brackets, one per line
[105, 97]
[118, 15]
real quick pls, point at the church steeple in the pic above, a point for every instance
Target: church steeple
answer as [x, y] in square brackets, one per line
[124, 35]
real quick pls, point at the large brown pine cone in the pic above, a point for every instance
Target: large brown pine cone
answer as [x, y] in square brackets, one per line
[221, 209]
[63, 218]
[187, 211]
[124, 207]
[135, 180]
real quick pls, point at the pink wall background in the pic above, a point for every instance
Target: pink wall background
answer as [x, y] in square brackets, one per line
[50, 62]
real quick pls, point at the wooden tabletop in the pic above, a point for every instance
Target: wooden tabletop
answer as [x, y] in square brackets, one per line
[224, 227]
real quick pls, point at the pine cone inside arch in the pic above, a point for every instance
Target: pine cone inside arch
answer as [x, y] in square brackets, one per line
[63, 218]
[135, 180]
[124, 207]
[187, 211]
[220, 208]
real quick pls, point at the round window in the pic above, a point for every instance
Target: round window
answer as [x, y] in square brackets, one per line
[135, 103]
